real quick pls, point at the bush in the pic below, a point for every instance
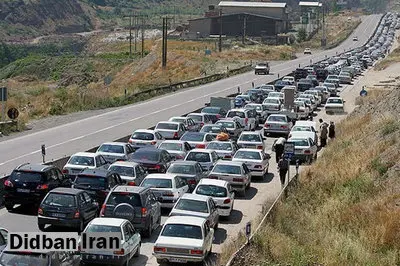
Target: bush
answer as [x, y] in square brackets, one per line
[301, 35]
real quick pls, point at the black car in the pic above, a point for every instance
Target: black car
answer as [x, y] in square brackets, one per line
[221, 112]
[152, 159]
[67, 207]
[191, 171]
[136, 204]
[280, 84]
[213, 117]
[322, 74]
[97, 182]
[300, 73]
[59, 258]
[29, 183]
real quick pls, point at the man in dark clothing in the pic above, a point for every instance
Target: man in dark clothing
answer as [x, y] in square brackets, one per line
[278, 147]
[283, 166]
[323, 132]
[332, 132]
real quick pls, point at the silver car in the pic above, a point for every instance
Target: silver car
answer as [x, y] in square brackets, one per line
[207, 158]
[278, 124]
[252, 140]
[197, 140]
[176, 148]
[224, 149]
[191, 171]
[130, 172]
[115, 151]
[234, 128]
[273, 105]
[170, 130]
[187, 121]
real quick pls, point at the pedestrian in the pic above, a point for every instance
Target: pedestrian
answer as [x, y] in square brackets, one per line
[331, 130]
[283, 167]
[323, 136]
[278, 147]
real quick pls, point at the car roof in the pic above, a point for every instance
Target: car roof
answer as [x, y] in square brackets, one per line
[144, 131]
[251, 133]
[178, 117]
[99, 172]
[276, 115]
[306, 123]
[133, 189]
[252, 150]
[173, 141]
[152, 148]
[195, 197]
[114, 143]
[34, 167]
[86, 154]
[222, 141]
[225, 120]
[237, 110]
[64, 190]
[169, 122]
[187, 220]
[184, 163]
[202, 150]
[302, 134]
[166, 176]
[335, 98]
[125, 163]
[202, 114]
[234, 163]
[215, 182]
[108, 221]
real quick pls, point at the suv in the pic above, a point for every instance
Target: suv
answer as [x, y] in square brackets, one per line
[261, 68]
[97, 182]
[246, 117]
[29, 183]
[136, 204]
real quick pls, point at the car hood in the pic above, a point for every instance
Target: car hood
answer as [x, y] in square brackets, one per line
[179, 242]
[175, 212]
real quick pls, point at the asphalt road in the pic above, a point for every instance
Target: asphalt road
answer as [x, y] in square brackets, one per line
[90, 132]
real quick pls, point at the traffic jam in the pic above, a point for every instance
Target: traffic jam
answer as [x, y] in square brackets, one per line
[189, 168]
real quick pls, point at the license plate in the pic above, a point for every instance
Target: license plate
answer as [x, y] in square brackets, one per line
[59, 215]
[22, 190]
[177, 260]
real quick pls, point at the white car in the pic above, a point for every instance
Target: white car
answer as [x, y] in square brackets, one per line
[198, 206]
[130, 242]
[81, 161]
[184, 239]
[305, 148]
[130, 172]
[276, 94]
[253, 140]
[257, 161]
[273, 104]
[243, 117]
[145, 137]
[289, 79]
[206, 158]
[115, 151]
[176, 148]
[220, 191]
[334, 105]
[305, 126]
[303, 111]
[277, 124]
[167, 188]
[187, 121]
[307, 51]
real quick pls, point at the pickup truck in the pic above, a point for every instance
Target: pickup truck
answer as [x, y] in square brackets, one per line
[262, 68]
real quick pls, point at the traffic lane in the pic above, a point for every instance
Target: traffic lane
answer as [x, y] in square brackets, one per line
[87, 133]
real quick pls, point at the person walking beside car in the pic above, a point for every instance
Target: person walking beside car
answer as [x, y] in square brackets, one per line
[331, 129]
[283, 167]
[323, 132]
[278, 147]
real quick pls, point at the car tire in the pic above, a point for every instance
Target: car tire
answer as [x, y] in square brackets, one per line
[137, 253]
[42, 227]
[9, 207]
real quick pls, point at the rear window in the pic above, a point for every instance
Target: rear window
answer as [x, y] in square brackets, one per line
[197, 118]
[210, 110]
[124, 197]
[167, 126]
[81, 160]
[227, 169]
[12, 259]
[25, 176]
[171, 146]
[236, 113]
[146, 155]
[226, 124]
[254, 155]
[157, 183]
[182, 231]
[142, 136]
[211, 129]
[123, 170]
[198, 157]
[250, 137]
[192, 205]
[179, 120]
[181, 169]
[299, 142]
[275, 118]
[338, 101]
[275, 101]
[212, 191]
[60, 200]
[111, 148]
[192, 137]
[225, 146]
[91, 182]
[98, 228]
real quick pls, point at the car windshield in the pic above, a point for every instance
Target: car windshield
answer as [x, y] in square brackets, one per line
[212, 191]
[111, 148]
[22, 176]
[89, 181]
[167, 126]
[157, 183]
[117, 198]
[142, 136]
[182, 231]
[250, 137]
[236, 113]
[171, 146]
[193, 137]
[203, 157]
[28, 259]
[81, 160]
[301, 128]
[338, 101]
[59, 199]
[98, 228]
[211, 129]
[196, 118]
[274, 94]
[141, 155]
[275, 118]
[253, 155]
[226, 124]
[225, 146]
[123, 170]
[192, 205]
[227, 169]
[210, 110]
[271, 101]
[299, 103]
[181, 169]
[299, 142]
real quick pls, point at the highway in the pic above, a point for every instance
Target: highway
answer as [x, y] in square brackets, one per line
[87, 133]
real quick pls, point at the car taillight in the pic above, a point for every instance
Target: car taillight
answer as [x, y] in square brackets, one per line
[196, 252]
[153, 142]
[266, 125]
[159, 249]
[157, 167]
[284, 127]
[227, 201]
[200, 146]
[260, 147]
[42, 187]
[238, 180]
[119, 252]
[228, 156]
[201, 124]
[168, 194]
[144, 212]
[103, 210]
[40, 211]
[258, 166]
[178, 157]
[65, 171]
[76, 215]
[131, 183]
[8, 183]
[176, 135]
[218, 116]
[246, 120]
[130, 141]
[192, 182]
[307, 152]
[213, 177]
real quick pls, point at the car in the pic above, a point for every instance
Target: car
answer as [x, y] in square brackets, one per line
[278, 124]
[167, 188]
[145, 137]
[289, 79]
[315, 101]
[261, 68]
[280, 84]
[234, 128]
[261, 111]
[131, 242]
[197, 206]
[191, 171]
[305, 148]
[83, 160]
[241, 100]
[236, 173]
[187, 121]
[313, 79]
[153, 160]
[198, 140]
[322, 74]
[324, 93]
[3, 239]
[255, 95]
[309, 102]
[29, 183]
[276, 94]
[273, 105]
[300, 73]
[219, 111]
[355, 38]
[214, 129]
[115, 151]
[67, 207]
[305, 126]
[332, 88]
[246, 117]
[131, 173]
[136, 204]
[170, 130]
[176, 148]
[58, 258]
[97, 183]
[224, 149]
[257, 161]
[252, 140]
[301, 134]
[220, 191]
[192, 237]
[334, 105]
[344, 78]
[307, 51]
[200, 118]
[303, 110]
[206, 158]
[303, 85]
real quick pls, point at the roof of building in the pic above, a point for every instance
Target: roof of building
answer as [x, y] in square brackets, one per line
[251, 4]
[310, 4]
[235, 14]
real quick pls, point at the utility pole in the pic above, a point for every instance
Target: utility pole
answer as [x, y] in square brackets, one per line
[323, 41]
[136, 32]
[130, 36]
[244, 29]
[142, 37]
[165, 42]
[220, 30]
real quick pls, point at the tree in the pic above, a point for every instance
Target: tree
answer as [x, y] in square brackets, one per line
[301, 35]
[374, 5]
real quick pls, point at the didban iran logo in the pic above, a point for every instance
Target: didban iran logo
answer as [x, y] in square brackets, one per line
[46, 242]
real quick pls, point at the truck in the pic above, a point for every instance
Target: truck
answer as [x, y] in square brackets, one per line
[223, 102]
[262, 68]
[289, 108]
